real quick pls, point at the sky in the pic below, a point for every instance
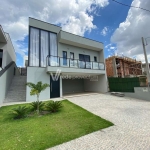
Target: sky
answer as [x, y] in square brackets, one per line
[120, 28]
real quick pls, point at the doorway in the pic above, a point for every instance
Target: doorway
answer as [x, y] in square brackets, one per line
[54, 87]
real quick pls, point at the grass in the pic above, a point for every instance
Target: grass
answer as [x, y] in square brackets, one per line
[41, 132]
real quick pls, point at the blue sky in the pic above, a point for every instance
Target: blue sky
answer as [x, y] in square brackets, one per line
[120, 28]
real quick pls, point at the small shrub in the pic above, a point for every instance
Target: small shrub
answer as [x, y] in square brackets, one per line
[19, 112]
[53, 106]
[35, 105]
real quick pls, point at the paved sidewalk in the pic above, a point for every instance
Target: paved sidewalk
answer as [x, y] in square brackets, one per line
[130, 132]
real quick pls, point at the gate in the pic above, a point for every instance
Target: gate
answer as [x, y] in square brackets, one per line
[123, 84]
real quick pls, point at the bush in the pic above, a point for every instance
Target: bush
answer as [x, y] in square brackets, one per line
[53, 106]
[35, 105]
[19, 112]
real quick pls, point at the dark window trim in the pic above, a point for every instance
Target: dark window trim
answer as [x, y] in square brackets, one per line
[66, 54]
[95, 59]
[86, 55]
[70, 55]
[1, 57]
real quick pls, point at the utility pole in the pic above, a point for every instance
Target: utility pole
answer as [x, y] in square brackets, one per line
[146, 61]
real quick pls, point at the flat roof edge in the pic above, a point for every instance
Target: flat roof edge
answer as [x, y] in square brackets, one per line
[44, 22]
[5, 39]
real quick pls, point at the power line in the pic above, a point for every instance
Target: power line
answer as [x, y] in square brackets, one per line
[131, 6]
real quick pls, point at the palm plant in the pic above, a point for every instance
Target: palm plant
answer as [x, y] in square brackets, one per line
[36, 89]
[19, 112]
[35, 105]
[53, 106]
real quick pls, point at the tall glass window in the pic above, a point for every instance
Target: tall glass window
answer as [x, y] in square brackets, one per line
[34, 47]
[53, 50]
[42, 43]
[44, 47]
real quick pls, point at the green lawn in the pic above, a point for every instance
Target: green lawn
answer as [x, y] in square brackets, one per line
[41, 132]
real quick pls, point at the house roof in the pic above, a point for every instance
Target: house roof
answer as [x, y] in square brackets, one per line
[3, 38]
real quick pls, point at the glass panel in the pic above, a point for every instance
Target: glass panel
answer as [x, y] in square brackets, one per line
[95, 65]
[44, 47]
[101, 66]
[73, 63]
[53, 49]
[64, 62]
[82, 64]
[87, 58]
[88, 65]
[54, 61]
[34, 47]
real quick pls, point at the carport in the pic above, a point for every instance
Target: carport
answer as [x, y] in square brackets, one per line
[84, 86]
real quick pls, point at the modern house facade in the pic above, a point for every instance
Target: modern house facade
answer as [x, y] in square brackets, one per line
[8, 68]
[68, 62]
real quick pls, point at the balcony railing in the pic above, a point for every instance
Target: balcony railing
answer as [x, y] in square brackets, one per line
[56, 61]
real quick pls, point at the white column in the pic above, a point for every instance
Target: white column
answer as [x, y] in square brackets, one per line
[61, 87]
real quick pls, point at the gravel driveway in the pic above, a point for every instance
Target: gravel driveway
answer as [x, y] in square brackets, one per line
[130, 116]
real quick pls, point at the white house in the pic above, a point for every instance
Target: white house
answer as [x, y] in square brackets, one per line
[8, 68]
[68, 62]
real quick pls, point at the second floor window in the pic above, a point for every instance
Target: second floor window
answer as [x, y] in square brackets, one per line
[64, 58]
[84, 61]
[95, 59]
[71, 55]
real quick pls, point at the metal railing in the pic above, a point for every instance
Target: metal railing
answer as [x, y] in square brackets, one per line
[57, 61]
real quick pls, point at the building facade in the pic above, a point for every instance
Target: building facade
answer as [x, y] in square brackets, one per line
[68, 63]
[117, 66]
[8, 68]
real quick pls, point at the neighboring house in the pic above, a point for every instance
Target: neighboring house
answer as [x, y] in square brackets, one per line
[8, 66]
[25, 61]
[80, 61]
[117, 66]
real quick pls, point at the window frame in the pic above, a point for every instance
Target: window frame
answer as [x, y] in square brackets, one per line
[95, 59]
[40, 44]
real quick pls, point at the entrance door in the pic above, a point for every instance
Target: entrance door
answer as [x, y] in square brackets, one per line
[1, 57]
[54, 87]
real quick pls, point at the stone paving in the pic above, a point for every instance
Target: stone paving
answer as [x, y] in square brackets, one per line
[130, 116]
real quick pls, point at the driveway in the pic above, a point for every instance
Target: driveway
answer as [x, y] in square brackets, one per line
[130, 116]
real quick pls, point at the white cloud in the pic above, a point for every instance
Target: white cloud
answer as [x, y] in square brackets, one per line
[112, 47]
[128, 35]
[73, 15]
[104, 31]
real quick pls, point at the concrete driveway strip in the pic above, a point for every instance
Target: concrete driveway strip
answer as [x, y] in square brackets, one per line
[130, 116]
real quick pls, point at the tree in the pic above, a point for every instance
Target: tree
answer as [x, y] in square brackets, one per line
[36, 89]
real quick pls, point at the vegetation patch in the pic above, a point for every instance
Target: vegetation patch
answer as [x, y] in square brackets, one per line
[38, 132]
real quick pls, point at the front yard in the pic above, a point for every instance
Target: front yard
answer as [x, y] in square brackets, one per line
[41, 132]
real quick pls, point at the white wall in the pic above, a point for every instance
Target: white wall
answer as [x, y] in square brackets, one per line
[72, 86]
[8, 52]
[44, 25]
[34, 75]
[99, 85]
[77, 51]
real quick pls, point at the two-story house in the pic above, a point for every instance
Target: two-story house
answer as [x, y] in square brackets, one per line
[68, 62]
